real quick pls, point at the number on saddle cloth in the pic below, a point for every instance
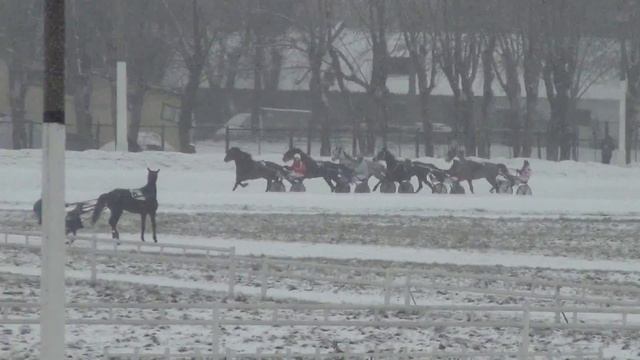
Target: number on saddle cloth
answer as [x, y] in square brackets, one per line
[137, 194]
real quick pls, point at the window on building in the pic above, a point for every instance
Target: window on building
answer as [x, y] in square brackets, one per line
[170, 113]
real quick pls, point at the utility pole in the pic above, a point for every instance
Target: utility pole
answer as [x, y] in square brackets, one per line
[52, 296]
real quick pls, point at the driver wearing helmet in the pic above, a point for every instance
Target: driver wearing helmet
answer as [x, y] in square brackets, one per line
[298, 168]
[525, 173]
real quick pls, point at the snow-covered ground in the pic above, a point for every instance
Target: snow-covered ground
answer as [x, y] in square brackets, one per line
[580, 224]
[203, 182]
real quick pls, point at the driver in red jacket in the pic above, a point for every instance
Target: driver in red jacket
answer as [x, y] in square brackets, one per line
[298, 168]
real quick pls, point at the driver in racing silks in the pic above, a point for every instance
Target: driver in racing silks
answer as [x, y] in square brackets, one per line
[361, 169]
[298, 169]
[525, 172]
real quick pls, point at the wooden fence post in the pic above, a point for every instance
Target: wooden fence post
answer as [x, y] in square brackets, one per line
[215, 342]
[407, 291]
[232, 272]
[524, 344]
[290, 140]
[263, 279]
[94, 249]
[387, 287]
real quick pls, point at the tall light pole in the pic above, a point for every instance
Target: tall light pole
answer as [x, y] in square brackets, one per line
[52, 297]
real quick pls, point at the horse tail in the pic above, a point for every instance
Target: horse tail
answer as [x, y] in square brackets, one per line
[101, 203]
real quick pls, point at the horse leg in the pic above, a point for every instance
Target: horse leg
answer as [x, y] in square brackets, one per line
[470, 185]
[113, 221]
[328, 181]
[268, 185]
[143, 221]
[235, 186]
[152, 216]
[378, 184]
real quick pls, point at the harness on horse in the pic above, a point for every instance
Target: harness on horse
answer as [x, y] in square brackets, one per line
[137, 194]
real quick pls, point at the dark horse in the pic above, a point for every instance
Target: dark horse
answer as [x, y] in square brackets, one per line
[329, 171]
[402, 172]
[249, 169]
[141, 201]
[470, 170]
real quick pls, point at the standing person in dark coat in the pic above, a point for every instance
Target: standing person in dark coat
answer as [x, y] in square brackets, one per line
[607, 146]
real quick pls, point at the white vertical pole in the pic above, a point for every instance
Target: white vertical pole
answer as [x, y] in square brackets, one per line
[622, 124]
[52, 297]
[121, 119]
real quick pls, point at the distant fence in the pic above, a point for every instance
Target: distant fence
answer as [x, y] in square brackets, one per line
[402, 142]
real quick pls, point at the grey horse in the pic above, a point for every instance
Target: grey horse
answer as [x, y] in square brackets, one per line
[470, 170]
[364, 169]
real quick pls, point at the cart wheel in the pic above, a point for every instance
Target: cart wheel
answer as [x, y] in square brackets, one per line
[298, 186]
[524, 189]
[504, 187]
[277, 186]
[405, 188]
[456, 188]
[388, 187]
[439, 188]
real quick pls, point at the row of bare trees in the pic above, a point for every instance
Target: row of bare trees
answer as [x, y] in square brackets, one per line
[518, 46]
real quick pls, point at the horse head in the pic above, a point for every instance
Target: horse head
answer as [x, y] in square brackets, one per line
[152, 175]
[288, 156]
[235, 153]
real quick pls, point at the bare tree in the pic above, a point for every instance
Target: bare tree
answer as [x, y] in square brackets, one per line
[459, 60]
[560, 60]
[416, 20]
[196, 27]
[507, 69]
[20, 47]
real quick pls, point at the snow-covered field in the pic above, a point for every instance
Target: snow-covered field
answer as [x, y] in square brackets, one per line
[203, 182]
[581, 224]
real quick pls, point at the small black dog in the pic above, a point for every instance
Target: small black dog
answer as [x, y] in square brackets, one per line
[73, 222]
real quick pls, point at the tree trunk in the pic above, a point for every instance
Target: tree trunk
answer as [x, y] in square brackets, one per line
[427, 126]
[633, 108]
[258, 70]
[531, 108]
[484, 144]
[468, 123]
[17, 96]
[81, 74]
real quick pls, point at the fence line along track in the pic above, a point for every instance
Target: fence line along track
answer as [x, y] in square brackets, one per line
[374, 354]
[390, 280]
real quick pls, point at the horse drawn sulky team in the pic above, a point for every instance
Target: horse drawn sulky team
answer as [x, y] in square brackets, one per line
[340, 174]
[345, 170]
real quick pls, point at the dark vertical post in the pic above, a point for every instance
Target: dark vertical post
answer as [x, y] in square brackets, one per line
[418, 143]
[354, 142]
[162, 137]
[290, 140]
[52, 298]
[226, 139]
[538, 143]
[98, 135]
[309, 141]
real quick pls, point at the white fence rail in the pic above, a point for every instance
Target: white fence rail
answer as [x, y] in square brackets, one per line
[217, 315]
[390, 281]
[229, 354]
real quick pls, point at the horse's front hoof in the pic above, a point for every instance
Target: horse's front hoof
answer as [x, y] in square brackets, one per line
[155, 240]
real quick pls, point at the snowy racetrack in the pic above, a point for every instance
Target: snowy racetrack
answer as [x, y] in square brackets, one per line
[579, 225]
